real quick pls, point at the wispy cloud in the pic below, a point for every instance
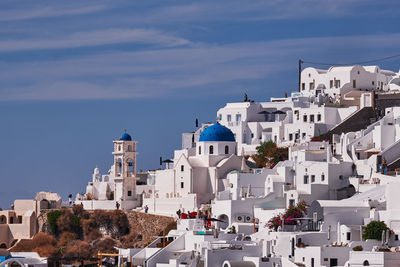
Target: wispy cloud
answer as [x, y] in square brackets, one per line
[258, 10]
[49, 10]
[198, 69]
[94, 38]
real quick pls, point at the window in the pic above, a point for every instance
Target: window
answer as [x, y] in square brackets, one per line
[129, 193]
[331, 84]
[319, 117]
[305, 179]
[228, 117]
[348, 235]
[238, 117]
[291, 202]
[20, 219]
[337, 83]
[226, 149]
[309, 75]
[396, 237]
[211, 150]
[199, 150]
[373, 83]
[305, 118]
[252, 135]
[303, 86]
[340, 177]
[312, 178]
[365, 263]
[182, 168]
[354, 83]
[182, 185]
[311, 86]
[303, 135]
[220, 117]
[311, 118]
[290, 137]
[322, 177]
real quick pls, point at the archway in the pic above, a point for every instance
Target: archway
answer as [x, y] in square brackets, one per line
[3, 219]
[224, 221]
[351, 190]
[3, 245]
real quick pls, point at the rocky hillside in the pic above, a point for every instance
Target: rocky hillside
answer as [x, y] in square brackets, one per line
[78, 233]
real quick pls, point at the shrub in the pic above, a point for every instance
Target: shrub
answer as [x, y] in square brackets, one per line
[79, 249]
[289, 216]
[358, 248]
[41, 239]
[374, 230]
[52, 218]
[269, 154]
[80, 212]
[90, 230]
[105, 245]
[68, 222]
[65, 238]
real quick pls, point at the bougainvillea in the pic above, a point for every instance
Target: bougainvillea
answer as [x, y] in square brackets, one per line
[289, 217]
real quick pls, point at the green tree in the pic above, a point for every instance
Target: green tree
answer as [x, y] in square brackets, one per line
[269, 154]
[374, 230]
[52, 218]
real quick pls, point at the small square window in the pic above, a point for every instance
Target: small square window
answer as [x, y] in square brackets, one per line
[396, 237]
[129, 193]
[311, 118]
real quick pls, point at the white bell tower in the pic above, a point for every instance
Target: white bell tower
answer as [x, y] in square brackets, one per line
[124, 157]
[125, 167]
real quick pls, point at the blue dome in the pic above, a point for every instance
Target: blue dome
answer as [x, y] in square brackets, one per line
[218, 133]
[125, 137]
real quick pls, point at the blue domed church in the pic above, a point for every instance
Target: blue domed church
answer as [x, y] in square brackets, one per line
[198, 172]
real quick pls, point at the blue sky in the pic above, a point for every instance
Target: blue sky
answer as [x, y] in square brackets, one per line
[75, 74]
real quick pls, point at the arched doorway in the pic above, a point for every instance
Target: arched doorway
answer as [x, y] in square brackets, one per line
[3, 245]
[3, 219]
[224, 221]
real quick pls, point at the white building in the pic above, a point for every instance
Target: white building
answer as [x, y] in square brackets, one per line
[197, 173]
[337, 81]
